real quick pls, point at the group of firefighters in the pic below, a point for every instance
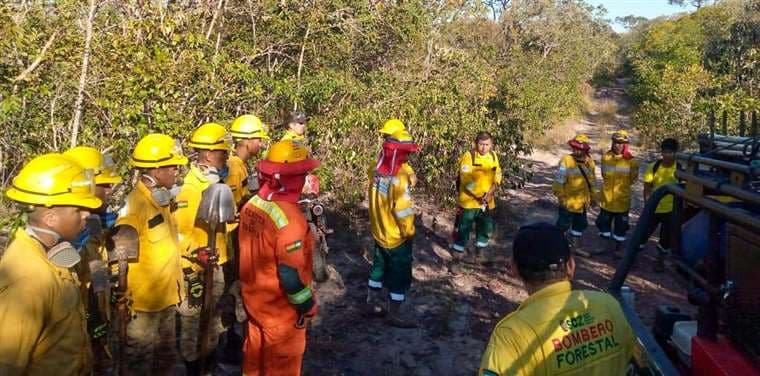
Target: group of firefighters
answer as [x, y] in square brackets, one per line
[58, 277]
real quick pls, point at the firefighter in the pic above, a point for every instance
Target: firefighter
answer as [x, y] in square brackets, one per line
[276, 264]
[248, 134]
[574, 187]
[556, 330]
[390, 127]
[392, 223]
[92, 270]
[619, 173]
[659, 173]
[479, 175]
[211, 146]
[295, 127]
[42, 314]
[155, 280]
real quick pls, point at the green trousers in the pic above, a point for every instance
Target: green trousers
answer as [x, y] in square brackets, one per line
[466, 219]
[392, 268]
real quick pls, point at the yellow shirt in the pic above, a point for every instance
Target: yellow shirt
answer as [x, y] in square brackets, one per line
[293, 136]
[571, 187]
[193, 233]
[560, 331]
[477, 177]
[237, 179]
[618, 176]
[390, 208]
[43, 330]
[665, 175]
[155, 280]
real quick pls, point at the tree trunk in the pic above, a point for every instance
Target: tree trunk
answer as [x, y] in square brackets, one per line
[75, 122]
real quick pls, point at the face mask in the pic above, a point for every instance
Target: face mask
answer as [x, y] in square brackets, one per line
[253, 183]
[63, 254]
[162, 196]
[215, 176]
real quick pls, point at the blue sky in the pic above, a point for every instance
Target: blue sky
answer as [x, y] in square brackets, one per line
[644, 8]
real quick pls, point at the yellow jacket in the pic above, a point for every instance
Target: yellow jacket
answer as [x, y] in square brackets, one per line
[571, 187]
[237, 179]
[560, 331]
[43, 330]
[663, 176]
[477, 177]
[290, 135]
[390, 208]
[155, 281]
[618, 175]
[194, 233]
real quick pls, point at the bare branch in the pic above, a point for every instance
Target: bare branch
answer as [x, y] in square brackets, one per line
[23, 75]
[83, 76]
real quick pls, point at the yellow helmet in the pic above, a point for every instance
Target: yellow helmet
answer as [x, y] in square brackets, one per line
[582, 138]
[54, 180]
[402, 135]
[392, 126]
[620, 136]
[209, 136]
[101, 164]
[248, 126]
[287, 158]
[157, 150]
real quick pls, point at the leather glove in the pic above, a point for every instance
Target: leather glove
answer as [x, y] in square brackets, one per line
[194, 289]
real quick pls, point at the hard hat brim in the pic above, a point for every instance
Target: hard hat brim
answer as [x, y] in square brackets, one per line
[174, 160]
[89, 201]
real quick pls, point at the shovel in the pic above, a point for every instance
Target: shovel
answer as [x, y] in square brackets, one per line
[123, 247]
[217, 207]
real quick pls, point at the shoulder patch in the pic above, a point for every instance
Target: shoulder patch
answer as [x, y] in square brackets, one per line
[294, 246]
[182, 204]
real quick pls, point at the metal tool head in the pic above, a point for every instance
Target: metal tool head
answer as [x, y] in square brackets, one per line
[217, 204]
[124, 244]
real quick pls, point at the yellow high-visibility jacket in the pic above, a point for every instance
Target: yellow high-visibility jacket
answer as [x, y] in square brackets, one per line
[570, 186]
[390, 208]
[293, 136]
[557, 331]
[618, 175]
[43, 328]
[155, 281]
[476, 177]
[237, 179]
[193, 233]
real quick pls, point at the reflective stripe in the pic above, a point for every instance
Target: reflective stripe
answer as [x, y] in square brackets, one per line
[404, 213]
[457, 247]
[577, 234]
[273, 211]
[605, 234]
[619, 238]
[398, 297]
[300, 296]
[481, 244]
[613, 168]
[375, 284]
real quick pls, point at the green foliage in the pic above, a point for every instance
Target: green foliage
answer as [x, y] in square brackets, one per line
[684, 67]
[442, 66]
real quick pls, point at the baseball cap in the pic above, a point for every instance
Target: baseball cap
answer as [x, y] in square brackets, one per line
[540, 247]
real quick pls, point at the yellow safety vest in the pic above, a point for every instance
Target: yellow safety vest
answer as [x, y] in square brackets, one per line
[155, 281]
[664, 175]
[390, 208]
[42, 316]
[618, 175]
[558, 331]
[193, 233]
[571, 188]
[476, 177]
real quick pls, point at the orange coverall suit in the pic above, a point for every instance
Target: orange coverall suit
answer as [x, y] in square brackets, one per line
[275, 275]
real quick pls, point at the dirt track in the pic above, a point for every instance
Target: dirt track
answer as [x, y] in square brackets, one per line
[457, 311]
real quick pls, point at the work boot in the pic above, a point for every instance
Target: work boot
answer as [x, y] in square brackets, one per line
[375, 302]
[400, 316]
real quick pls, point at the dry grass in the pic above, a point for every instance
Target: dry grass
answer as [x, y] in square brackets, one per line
[557, 135]
[604, 112]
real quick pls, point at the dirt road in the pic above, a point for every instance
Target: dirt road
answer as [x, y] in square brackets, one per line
[457, 311]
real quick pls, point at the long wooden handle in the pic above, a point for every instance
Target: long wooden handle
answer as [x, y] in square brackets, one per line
[208, 286]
